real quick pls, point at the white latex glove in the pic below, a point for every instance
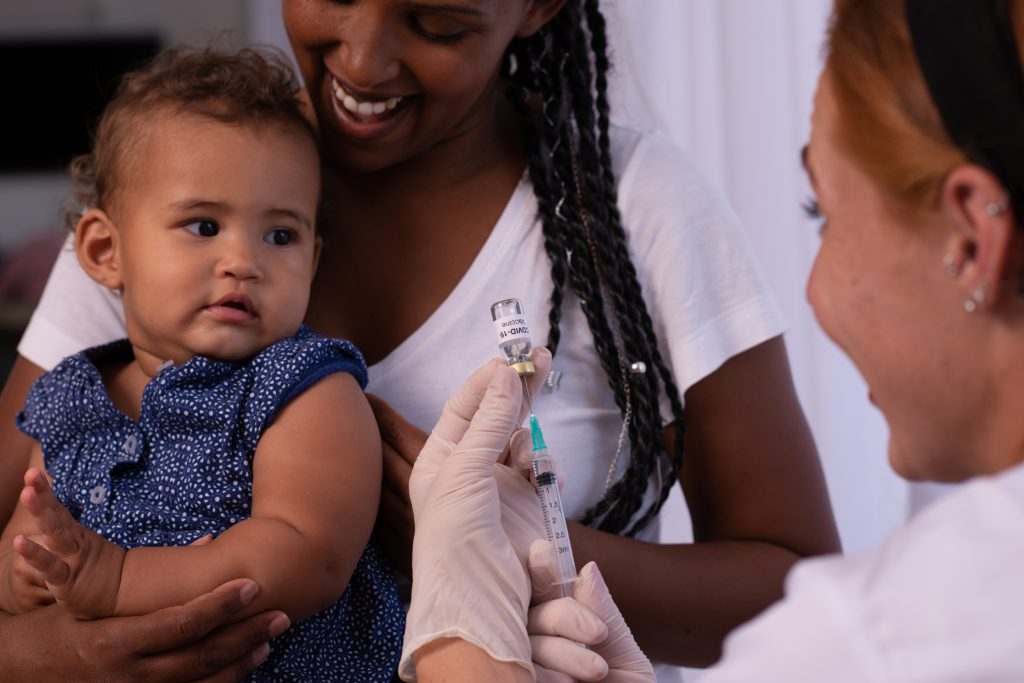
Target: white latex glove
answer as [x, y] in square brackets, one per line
[557, 626]
[469, 579]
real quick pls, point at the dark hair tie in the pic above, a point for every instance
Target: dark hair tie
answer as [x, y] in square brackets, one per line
[971, 64]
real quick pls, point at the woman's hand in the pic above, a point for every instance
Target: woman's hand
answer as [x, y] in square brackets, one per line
[194, 642]
[558, 626]
[469, 578]
[401, 442]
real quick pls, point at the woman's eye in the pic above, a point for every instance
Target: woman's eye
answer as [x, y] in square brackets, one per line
[281, 236]
[439, 30]
[811, 208]
[203, 227]
[813, 211]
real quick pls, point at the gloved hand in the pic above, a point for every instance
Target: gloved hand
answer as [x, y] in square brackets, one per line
[558, 625]
[475, 520]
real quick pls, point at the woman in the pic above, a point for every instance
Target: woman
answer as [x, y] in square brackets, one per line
[915, 161]
[469, 157]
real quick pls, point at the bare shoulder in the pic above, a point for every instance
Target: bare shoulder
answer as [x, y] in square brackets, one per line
[334, 410]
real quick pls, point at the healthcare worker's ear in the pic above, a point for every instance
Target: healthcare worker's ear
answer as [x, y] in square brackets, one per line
[984, 243]
[537, 14]
[96, 245]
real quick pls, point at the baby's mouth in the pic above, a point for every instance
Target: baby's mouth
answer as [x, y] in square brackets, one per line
[234, 308]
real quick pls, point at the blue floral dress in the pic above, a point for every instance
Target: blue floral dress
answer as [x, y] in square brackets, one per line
[184, 470]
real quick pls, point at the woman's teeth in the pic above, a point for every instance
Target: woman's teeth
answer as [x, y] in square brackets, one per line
[363, 107]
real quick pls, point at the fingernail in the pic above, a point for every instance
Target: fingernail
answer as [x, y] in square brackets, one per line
[248, 592]
[279, 625]
[260, 654]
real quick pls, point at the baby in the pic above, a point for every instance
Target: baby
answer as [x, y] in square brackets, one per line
[222, 438]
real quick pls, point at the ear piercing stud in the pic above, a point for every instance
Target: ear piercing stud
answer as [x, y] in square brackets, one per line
[977, 298]
[994, 208]
[952, 268]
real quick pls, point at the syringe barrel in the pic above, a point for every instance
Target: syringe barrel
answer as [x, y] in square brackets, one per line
[554, 519]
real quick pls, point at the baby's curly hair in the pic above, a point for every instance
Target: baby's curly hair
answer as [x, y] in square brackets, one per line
[247, 87]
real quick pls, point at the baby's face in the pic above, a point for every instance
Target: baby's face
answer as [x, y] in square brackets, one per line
[217, 246]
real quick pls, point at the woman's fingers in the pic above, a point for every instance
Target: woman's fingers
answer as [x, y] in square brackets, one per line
[404, 437]
[394, 530]
[568, 619]
[572, 660]
[460, 408]
[198, 641]
[545, 675]
[396, 470]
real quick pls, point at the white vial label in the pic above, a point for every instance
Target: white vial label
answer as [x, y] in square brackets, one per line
[511, 329]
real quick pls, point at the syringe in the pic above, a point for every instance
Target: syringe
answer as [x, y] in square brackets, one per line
[554, 516]
[514, 342]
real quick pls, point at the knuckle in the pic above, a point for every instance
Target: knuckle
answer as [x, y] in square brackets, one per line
[209, 659]
[190, 626]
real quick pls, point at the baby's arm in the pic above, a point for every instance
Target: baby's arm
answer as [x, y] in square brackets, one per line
[316, 484]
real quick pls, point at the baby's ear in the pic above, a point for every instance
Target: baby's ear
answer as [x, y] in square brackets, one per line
[97, 246]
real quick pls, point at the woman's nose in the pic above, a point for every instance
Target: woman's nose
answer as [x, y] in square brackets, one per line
[369, 52]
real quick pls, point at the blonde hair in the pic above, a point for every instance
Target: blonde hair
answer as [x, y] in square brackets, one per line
[887, 122]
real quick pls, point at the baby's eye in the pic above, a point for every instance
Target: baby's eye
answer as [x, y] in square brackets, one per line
[204, 227]
[280, 236]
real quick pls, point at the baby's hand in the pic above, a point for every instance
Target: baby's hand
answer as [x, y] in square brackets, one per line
[80, 569]
[26, 587]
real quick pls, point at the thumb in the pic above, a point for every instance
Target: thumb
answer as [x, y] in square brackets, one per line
[497, 417]
[460, 408]
[619, 649]
[543, 569]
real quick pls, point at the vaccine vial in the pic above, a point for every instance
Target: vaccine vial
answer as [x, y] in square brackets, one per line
[513, 335]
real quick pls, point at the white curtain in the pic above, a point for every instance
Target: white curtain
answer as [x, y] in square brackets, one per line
[732, 82]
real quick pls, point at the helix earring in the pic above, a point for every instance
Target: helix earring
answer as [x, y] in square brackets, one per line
[996, 208]
[952, 267]
[977, 298]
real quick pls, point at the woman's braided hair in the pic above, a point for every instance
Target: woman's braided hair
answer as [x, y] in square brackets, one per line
[558, 80]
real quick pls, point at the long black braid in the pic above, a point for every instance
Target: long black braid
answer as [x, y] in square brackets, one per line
[558, 83]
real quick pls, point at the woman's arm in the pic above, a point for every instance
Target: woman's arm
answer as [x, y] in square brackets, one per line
[316, 478]
[757, 497]
[453, 660]
[15, 447]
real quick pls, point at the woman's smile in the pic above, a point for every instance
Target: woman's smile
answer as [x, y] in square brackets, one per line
[365, 118]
